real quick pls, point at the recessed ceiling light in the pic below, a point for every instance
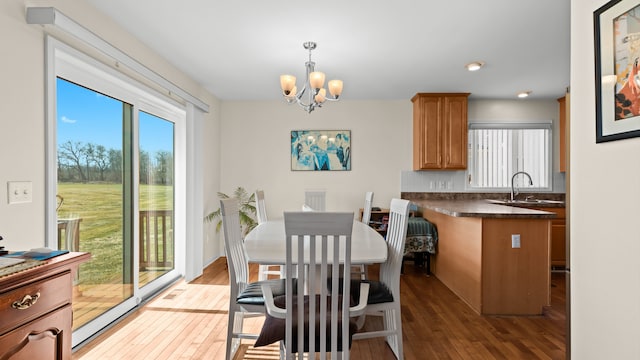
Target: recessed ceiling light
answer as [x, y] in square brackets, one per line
[474, 66]
[523, 94]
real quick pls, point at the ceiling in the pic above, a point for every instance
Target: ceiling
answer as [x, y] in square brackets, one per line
[382, 50]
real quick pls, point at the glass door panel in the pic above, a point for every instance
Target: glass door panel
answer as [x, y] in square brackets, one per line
[91, 186]
[156, 197]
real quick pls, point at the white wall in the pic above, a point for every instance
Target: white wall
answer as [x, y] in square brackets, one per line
[256, 148]
[22, 124]
[604, 214]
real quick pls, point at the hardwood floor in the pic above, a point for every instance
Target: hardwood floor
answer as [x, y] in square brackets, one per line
[188, 321]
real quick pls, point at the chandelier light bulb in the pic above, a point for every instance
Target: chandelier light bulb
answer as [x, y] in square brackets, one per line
[287, 83]
[292, 95]
[335, 88]
[321, 96]
[316, 79]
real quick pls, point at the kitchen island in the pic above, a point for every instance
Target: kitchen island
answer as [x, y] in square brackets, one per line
[494, 257]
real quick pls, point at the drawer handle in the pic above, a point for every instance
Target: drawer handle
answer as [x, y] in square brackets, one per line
[26, 302]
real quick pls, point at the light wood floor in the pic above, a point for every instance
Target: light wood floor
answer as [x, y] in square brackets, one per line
[188, 321]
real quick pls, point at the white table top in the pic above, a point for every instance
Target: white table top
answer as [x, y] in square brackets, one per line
[265, 244]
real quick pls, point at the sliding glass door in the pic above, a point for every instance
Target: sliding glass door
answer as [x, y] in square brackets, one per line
[115, 146]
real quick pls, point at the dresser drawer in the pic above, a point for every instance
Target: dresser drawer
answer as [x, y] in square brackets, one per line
[48, 337]
[34, 299]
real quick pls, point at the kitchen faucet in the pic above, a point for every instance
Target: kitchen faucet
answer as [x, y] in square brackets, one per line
[513, 192]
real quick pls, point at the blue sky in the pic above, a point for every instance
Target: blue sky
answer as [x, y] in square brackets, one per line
[86, 116]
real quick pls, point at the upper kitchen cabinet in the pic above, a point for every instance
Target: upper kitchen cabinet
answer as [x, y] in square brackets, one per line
[440, 131]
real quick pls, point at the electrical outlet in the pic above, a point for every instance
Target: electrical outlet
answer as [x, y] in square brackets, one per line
[515, 241]
[432, 185]
[440, 184]
[449, 185]
[19, 192]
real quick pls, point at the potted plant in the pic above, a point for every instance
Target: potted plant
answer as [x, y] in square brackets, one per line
[247, 207]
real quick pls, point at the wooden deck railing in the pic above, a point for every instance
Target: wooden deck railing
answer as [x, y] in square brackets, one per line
[156, 239]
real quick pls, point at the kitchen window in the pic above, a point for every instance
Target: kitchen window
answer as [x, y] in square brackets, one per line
[498, 151]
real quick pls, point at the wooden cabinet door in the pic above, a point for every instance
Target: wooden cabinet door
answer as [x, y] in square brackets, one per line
[455, 132]
[558, 243]
[440, 131]
[558, 250]
[48, 337]
[427, 147]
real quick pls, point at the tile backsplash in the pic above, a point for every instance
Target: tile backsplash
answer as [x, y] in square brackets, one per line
[453, 181]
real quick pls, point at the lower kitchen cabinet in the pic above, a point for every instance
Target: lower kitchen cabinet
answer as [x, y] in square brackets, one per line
[558, 251]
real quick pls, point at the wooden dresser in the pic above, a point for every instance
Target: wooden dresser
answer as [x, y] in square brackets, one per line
[35, 309]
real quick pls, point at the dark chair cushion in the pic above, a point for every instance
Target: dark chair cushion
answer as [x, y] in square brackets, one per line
[273, 329]
[252, 294]
[378, 291]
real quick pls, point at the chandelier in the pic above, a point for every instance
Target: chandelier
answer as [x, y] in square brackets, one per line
[313, 94]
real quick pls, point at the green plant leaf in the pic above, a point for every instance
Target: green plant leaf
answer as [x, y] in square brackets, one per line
[247, 210]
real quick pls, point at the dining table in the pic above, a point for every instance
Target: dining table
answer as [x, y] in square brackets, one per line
[266, 244]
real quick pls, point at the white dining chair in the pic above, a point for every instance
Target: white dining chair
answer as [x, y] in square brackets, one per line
[264, 271]
[384, 295]
[366, 210]
[314, 324]
[362, 269]
[261, 207]
[245, 299]
[316, 199]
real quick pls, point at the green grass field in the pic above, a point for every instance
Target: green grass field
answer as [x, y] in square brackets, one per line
[101, 230]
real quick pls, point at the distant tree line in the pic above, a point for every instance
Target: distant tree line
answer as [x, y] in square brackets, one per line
[80, 162]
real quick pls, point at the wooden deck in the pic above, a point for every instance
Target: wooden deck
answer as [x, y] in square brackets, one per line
[189, 320]
[90, 301]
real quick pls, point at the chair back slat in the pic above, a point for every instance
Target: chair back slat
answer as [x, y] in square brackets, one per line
[366, 211]
[236, 257]
[396, 233]
[261, 216]
[261, 208]
[319, 240]
[316, 199]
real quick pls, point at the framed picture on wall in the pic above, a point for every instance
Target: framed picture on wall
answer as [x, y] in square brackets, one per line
[320, 150]
[617, 55]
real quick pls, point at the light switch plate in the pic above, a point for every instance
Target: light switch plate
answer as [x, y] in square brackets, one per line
[19, 192]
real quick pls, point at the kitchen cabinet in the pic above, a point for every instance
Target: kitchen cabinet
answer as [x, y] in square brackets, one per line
[558, 252]
[479, 262]
[36, 312]
[476, 258]
[440, 131]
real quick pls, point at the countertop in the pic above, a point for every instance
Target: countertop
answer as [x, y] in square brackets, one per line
[484, 209]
